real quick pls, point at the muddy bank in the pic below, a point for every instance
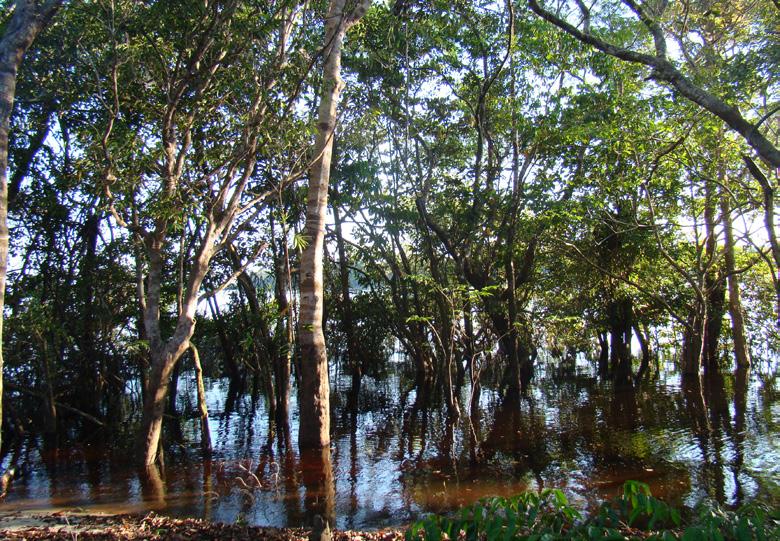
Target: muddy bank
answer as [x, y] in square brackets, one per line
[69, 526]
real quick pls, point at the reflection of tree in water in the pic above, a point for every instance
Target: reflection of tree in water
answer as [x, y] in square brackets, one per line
[291, 483]
[708, 409]
[320, 491]
[518, 438]
[741, 380]
[401, 454]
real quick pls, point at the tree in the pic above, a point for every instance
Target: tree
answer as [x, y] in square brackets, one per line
[29, 18]
[651, 15]
[183, 166]
[314, 393]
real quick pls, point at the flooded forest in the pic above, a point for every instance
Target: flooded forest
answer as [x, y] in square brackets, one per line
[274, 262]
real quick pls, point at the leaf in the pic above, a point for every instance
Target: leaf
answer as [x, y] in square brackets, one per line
[300, 242]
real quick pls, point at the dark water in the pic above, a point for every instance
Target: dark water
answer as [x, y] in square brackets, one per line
[715, 439]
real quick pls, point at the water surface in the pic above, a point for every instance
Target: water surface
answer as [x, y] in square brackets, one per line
[398, 458]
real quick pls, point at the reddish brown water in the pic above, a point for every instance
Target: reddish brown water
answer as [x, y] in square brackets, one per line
[395, 462]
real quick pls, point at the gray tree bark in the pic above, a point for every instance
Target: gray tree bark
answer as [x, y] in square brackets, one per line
[314, 399]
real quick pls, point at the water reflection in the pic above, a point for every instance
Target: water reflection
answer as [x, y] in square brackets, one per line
[399, 455]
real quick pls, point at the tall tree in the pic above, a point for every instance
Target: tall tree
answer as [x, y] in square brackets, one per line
[741, 351]
[315, 388]
[29, 18]
[186, 161]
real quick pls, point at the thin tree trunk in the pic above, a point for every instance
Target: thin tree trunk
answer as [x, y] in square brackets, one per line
[202, 409]
[644, 345]
[768, 192]
[28, 20]
[741, 351]
[314, 399]
[284, 334]
[692, 342]
[621, 321]
[174, 390]
[603, 367]
[262, 343]
[91, 369]
[233, 371]
[50, 417]
[143, 359]
[352, 358]
[714, 292]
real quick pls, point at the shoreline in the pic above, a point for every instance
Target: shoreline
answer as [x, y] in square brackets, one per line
[72, 525]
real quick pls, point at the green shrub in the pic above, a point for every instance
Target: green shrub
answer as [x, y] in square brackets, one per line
[547, 515]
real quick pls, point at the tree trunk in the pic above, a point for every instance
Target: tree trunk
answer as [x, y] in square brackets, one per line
[262, 343]
[603, 367]
[284, 335]
[203, 411]
[165, 354]
[621, 319]
[692, 342]
[173, 390]
[91, 370]
[319, 497]
[231, 366]
[741, 352]
[508, 347]
[50, 406]
[28, 20]
[154, 406]
[768, 192]
[714, 292]
[314, 399]
[140, 287]
[644, 345]
[351, 354]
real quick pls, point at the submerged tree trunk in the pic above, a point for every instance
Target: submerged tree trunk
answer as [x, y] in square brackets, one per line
[165, 354]
[28, 20]
[351, 354]
[314, 399]
[714, 291]
[644, 345]
[603, 366]
[284, 336]
[741, 352]
[621, 322]
[203, 411]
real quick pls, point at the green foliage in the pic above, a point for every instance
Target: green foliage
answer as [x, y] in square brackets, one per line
[527, 514]
[548, 515]
[300, 241]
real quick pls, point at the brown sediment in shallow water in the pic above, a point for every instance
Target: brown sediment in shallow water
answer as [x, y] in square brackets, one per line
[70, 526]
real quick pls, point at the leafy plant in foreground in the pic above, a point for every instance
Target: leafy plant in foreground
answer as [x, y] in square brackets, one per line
[636, 514]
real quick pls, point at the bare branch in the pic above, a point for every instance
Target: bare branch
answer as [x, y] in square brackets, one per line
[260, 248]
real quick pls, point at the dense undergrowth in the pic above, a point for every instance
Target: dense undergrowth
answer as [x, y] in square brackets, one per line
[636, 514]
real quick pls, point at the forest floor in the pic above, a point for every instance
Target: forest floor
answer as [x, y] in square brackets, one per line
[80, 527]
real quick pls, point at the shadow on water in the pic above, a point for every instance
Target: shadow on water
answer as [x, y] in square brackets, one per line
[396, 454]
